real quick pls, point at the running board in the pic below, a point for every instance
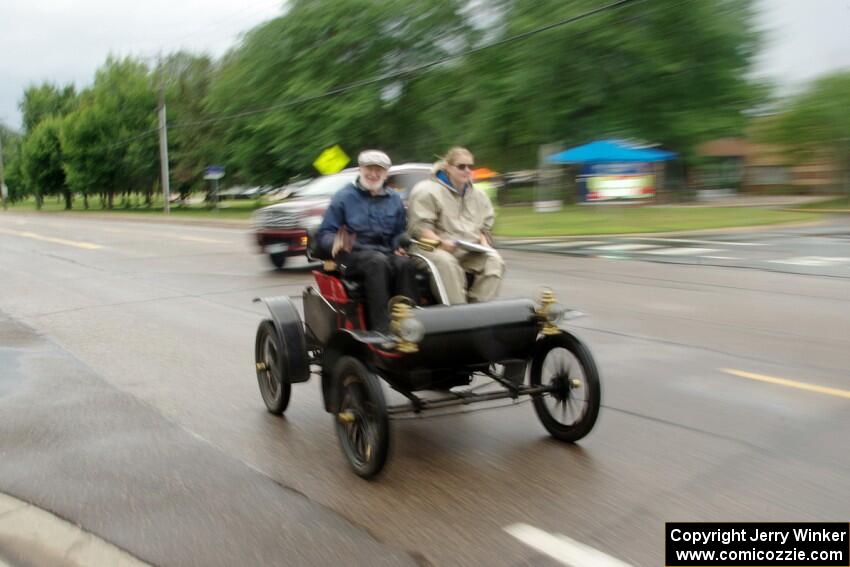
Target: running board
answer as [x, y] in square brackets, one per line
[463, 398]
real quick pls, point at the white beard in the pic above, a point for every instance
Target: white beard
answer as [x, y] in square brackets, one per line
[371, 186]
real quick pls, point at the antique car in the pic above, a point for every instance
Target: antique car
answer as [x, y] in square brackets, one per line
[436, 357]
[281, 229]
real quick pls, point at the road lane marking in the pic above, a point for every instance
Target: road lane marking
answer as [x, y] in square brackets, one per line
[790, 383]
[205, 240]
[561, 548]
[34, 236]
[679, 251]
[722, 257]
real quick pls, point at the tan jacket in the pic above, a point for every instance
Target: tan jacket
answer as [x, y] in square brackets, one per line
[436, 205]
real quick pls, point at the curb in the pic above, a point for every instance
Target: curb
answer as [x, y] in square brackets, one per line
[845, 211]
[30, 535]
[696, 232]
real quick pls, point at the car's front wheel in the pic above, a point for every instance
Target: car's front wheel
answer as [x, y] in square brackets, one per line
[569, 410]
[278, 259]
[362, 423]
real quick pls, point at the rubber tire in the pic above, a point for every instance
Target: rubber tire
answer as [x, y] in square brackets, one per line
[278, 259]
[558, 430]
[278, 403]
[350, 367]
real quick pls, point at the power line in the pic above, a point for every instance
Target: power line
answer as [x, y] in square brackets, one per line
[387, 76]
[410, 71]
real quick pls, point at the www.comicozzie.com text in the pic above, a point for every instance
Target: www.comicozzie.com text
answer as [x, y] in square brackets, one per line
[757, 534]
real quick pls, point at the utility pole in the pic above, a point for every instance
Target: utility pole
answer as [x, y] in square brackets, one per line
[3, 190]
[845, 149]
[163, 156]
[163, 145]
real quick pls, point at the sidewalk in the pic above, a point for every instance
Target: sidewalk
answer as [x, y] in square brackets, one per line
[32, 536]
[747, 200]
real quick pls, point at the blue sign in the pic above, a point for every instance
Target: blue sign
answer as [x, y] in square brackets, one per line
[214, 172]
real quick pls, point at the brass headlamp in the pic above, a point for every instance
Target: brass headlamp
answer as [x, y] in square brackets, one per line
[405, 326]
[550, 312]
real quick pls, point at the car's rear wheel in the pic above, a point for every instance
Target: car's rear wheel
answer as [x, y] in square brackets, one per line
[275, 386]
[278, 259]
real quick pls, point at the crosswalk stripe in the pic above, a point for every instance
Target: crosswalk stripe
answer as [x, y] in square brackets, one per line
[692, 241]
[623, 247]
[680, 251]
[573, 244]
[527, 241]
[812, 260]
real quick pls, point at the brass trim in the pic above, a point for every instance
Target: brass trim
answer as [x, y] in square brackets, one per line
[401, 311]
[547, 298]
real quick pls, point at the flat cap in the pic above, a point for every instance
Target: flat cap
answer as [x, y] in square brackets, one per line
[374, 157]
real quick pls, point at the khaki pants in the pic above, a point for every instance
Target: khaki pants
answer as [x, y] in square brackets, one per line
[488, 270]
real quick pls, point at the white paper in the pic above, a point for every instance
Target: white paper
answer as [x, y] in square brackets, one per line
[474, 247]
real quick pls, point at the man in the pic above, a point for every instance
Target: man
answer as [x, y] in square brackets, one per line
[361, 231]
[448, 208]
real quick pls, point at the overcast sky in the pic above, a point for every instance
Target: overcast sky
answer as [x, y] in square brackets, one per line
[65, 41]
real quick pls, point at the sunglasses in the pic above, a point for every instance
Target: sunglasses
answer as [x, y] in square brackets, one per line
[468, 166]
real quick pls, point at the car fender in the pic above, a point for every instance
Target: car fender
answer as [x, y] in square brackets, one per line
[290, 329]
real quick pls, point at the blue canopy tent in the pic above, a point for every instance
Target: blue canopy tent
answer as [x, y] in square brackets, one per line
[613, 170]
[610, 151]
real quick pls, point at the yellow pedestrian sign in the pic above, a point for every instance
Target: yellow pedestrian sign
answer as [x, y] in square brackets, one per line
[332, 160]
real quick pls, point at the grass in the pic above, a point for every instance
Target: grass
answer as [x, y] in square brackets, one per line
[227, 209]
[580, 220]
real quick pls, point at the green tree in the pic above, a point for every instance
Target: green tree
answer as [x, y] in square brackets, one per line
[11, 142]
[47, 99]
[109, 143]
[41, 161]
[666, 71]
[316, 47]
[816, 124]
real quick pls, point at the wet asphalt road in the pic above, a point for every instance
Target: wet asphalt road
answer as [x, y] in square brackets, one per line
[100, 458]
[163, 313]
[820, 250]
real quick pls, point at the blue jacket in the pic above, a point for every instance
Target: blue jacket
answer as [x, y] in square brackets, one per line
[376, 221]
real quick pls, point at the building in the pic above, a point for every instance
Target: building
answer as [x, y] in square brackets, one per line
[744, 165]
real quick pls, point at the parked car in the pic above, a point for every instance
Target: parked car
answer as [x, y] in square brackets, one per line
[281, 229]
